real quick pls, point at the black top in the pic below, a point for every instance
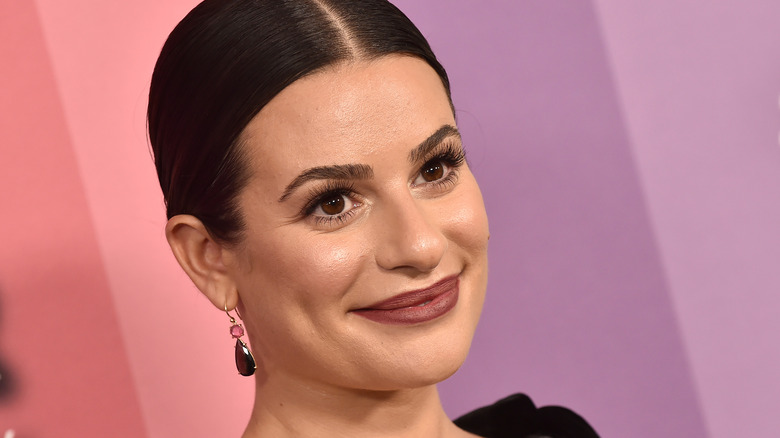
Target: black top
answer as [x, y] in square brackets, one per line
[517, 417]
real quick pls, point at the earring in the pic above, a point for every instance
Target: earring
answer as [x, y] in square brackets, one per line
[245, 362]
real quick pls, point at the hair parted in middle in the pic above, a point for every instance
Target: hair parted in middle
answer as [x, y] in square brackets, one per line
[225, 61]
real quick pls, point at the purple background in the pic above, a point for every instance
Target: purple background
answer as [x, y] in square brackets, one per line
[629, 160]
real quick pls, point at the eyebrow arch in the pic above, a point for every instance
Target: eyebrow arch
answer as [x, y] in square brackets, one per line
[336, 171]
[430, 143]
[363, 171]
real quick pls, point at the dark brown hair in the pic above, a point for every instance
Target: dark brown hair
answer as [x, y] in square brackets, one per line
[225, 61]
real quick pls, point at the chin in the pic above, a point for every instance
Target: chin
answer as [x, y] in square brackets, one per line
[423, 363]
[439, 370]
[411, 378]
[438, 356]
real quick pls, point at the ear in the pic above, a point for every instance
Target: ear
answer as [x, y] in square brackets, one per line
[203, 259]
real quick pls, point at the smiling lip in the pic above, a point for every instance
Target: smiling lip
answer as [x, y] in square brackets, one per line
[415, 306]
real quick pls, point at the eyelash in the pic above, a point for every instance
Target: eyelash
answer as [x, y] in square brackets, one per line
[448, 154]
[453, 157]
[330, 190]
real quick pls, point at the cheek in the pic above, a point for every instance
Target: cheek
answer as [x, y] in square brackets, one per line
[330, 265]
[318, 268]
[467, 223]
[295, 289]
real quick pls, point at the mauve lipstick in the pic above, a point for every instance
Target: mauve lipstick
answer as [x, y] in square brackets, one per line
[416, 306]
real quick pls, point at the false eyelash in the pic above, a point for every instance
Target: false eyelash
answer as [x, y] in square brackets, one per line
[333, 220]
[331, 188]
[453, 156]
[450, 153]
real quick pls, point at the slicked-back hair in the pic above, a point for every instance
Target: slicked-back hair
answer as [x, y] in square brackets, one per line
[225, 61]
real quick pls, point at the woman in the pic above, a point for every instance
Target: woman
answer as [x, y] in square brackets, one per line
[316, 186]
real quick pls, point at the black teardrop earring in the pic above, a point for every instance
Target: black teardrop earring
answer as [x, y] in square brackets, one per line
[245, 362]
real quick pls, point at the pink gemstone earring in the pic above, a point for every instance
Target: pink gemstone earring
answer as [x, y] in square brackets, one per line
[245, 362]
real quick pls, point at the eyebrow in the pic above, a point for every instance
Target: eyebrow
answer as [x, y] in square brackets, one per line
[364, 171]
[423, 149]
[336, 171]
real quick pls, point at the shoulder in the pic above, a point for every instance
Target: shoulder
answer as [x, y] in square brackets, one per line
[516, 416]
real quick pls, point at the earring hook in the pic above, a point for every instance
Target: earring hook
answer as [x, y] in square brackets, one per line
[232, 320]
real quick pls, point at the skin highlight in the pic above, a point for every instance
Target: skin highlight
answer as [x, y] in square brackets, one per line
[405, 221]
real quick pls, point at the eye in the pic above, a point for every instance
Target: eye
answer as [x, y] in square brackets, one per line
[432, 171]
[333, 204]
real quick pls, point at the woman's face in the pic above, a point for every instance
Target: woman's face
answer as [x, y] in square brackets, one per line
[364, 263]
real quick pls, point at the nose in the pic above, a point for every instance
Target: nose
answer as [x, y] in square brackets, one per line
[409, 236]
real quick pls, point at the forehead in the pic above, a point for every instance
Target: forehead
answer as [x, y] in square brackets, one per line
[348, 112]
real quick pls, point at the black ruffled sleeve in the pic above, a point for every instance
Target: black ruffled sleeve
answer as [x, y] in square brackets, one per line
[517, 417]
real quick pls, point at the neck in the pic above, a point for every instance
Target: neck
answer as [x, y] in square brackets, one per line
[295, 409]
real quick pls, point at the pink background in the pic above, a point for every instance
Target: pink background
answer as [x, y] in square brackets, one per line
[628, 153]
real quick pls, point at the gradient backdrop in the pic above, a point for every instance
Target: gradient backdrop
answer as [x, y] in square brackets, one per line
[627, 150]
